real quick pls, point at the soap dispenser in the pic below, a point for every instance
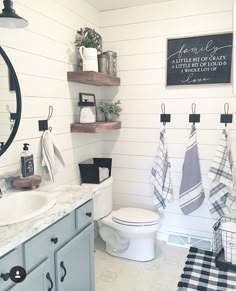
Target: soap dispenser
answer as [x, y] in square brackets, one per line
[27, 162]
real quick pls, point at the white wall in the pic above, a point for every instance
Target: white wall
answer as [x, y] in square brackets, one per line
[139, 36]
[42, 53]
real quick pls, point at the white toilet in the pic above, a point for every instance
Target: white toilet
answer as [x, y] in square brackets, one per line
[128, 232]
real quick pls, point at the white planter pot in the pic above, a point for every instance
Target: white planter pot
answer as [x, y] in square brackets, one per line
[89, 57]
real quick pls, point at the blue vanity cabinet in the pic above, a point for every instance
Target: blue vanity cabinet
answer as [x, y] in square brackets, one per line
[59, 258]
[75, 263]
[38, 280]
[13, 258]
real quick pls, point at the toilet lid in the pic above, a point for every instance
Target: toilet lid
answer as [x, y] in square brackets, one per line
[135, 216]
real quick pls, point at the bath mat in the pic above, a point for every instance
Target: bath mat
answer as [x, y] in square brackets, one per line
[200, 273]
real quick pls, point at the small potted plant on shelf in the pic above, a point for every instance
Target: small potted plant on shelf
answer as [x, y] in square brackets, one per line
[111, 111]
[89, 43]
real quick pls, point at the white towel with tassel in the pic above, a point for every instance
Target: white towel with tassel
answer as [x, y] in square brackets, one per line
[191, 193]
[52, 161]
[160, 175]
[222, 199]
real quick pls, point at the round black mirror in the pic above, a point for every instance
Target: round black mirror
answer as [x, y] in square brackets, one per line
[10, 102]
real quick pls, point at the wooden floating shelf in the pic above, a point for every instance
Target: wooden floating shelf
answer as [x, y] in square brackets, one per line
[93, 78]
[95, 127]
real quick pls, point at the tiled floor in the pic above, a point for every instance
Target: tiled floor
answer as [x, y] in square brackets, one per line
[161, 274]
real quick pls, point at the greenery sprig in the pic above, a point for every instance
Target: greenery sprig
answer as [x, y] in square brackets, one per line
[112, 109]
[88, 37]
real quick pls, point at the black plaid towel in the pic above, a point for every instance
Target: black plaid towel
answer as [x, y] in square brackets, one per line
[200, 273]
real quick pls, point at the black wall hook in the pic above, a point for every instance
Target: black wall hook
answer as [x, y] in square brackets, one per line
[43, 124]
[226, 117]
[194, 117]
[13, 116]
[164, 117]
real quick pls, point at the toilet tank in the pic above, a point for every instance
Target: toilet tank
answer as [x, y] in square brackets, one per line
[102, 199]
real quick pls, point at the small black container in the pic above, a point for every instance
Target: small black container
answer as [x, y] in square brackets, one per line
[89, 169]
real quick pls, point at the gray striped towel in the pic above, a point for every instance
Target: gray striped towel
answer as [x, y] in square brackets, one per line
[160, 174]
[222, 199]
[191, 190]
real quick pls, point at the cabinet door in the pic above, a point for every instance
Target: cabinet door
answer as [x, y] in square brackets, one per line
[39, 279]
[75, 263]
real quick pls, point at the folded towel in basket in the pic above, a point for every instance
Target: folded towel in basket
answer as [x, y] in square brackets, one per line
[103, 174]
[222, 199]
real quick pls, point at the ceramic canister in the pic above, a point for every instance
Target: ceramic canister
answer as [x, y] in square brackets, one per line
[89, 57]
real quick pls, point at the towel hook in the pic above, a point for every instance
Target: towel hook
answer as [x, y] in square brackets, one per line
[163, 108]
[164, 117]
[43, 124]
[13, 116]
[194, 117]
[226, 117]
[50, 112]
[194, 108]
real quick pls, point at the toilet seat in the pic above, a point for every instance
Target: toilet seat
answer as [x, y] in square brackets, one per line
[135, 216]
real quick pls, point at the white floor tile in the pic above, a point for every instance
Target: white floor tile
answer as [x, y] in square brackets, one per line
[117, 274]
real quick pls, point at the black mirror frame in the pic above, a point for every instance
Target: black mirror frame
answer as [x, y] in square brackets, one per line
[18, 102]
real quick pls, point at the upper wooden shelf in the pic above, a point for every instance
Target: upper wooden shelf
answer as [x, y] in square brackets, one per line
[95, 127]
[93, 78]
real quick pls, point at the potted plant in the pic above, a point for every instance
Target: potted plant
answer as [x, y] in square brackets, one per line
[89, 43]
[111, 111]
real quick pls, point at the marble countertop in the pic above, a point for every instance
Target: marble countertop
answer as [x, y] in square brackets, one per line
[68, 198]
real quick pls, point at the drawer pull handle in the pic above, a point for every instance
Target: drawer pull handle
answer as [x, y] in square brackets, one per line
[54, 240]
[64, 269]
[5, 276]
[89, 214]
[50, 280]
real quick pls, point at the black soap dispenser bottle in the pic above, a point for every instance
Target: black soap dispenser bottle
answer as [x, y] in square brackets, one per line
[27, 162]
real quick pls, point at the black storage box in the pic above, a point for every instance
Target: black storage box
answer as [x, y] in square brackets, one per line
[89, 169]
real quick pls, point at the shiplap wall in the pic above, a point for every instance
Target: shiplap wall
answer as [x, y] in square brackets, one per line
[139, 36]
[41, 54]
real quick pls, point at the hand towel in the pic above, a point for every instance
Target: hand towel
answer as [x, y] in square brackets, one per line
[160, 174]
[222, 198]
[191, 190]
[52, 158]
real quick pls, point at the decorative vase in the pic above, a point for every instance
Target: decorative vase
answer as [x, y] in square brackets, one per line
[110, 117]
[89, 58]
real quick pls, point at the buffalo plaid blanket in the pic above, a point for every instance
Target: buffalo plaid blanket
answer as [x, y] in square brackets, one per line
[200, 273]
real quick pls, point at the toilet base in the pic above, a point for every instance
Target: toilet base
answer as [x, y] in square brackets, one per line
[142, 250]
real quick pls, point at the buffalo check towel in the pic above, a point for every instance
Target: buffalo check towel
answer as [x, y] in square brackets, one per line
[191, 190]
[160, 174]
[222, 198]
[200, 273]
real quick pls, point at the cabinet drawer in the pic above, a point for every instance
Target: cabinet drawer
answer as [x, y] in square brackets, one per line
[39, 247]
[84, 215]
[14, 258]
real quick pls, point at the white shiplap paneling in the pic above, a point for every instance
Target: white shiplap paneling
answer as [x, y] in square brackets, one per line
[42, 53]
[139, 36]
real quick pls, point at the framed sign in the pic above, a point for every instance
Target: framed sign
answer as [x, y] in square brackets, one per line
[199, 60]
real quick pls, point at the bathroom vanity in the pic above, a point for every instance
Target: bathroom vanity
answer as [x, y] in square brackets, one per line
[56, 249]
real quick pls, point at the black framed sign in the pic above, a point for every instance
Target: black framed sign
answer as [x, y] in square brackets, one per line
[199, 60]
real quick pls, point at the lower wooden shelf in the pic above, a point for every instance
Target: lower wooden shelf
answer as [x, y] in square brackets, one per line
[96, 127]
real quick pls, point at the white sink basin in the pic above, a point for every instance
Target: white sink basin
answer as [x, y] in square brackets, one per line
[22, 206]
